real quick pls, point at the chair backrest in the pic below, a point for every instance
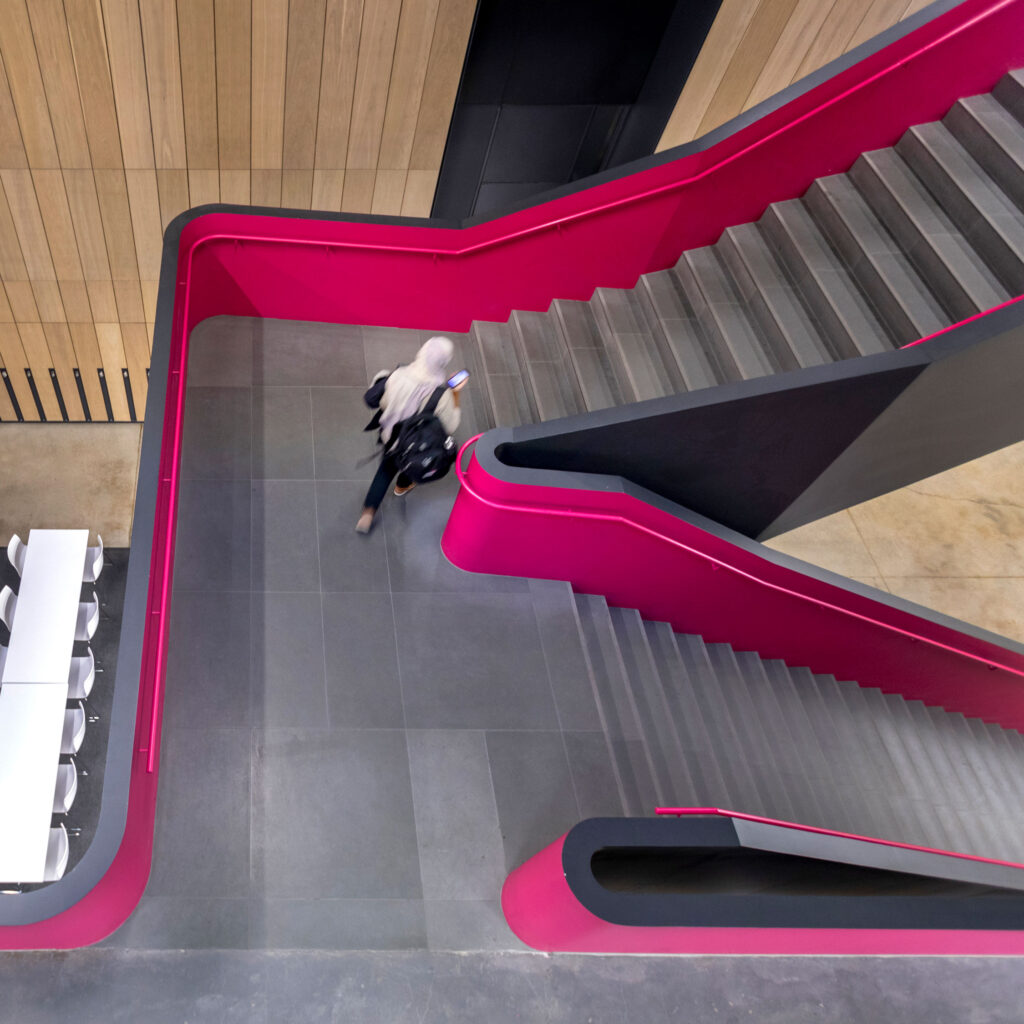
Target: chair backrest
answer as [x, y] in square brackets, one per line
[93, 562]
[82, 676]
[74, 730]
[16, 553]
[67, 787]
[7, 603]
[56, 854]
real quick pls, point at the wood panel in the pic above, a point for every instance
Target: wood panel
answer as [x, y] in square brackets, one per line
[302, 89]
[412, 54]
[118, 115]
[12, 150]
[57, 66]
[755, 48]
[269, 56]
[89, 49]
[444, 66]
[233, 32]
[373, 73]
[128, 75]
[163, 81]
[198, 81]
[26, 84]
[337, 82]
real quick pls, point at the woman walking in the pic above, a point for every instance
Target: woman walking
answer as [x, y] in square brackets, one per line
[407, 390]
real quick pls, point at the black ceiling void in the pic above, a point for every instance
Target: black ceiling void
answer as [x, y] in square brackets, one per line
[553, 92]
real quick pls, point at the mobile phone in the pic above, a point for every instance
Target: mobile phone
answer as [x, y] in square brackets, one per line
[457, 378]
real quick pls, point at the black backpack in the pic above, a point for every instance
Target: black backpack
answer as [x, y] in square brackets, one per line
[424, 451]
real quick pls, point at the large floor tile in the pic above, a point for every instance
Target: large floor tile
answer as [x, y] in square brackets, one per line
[285, 555]
[363, 687]
[220, 352]
[306, 354]
[201, 846]
[468, 925]
[339, 924]
[472, 662]
[217, 435]
[533, 790]
[343, 450]
[180, 922]
[348, 561]
[995, 604]
[461, 855]
[207, 682]
[834, 543]
[414, 525]
[387, 347]
[282, 433]
[332, 815]
[287, 662]
[212, 551]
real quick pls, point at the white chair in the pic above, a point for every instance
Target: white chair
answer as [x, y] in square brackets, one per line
[93, 562]
[88, 618]
[16, 553]
[3, 659]
[74, 730]
[8, 602]
[67, 787]
[81, 677]
[56, 854]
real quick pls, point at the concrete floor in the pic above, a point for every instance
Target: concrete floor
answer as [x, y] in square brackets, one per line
[979, 539]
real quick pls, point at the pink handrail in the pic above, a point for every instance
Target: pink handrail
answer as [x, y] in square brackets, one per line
[723, 813]
[717, 562]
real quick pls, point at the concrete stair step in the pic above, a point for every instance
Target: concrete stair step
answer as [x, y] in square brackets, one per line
[670, 770]
[503, 374]
[548, 371]
[995, 138]
[726, 747]
[680, 334]
[849, 323]
[979, 208]
[787, 327]
[946, 260]
[635, 359]
[722, 314]
[599, 385]
[885, 274]
[686, 719]
[631, 758]
[1009, 91]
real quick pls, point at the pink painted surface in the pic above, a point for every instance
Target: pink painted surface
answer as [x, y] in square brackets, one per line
[542, 911]
[343, 272]
[638, 556]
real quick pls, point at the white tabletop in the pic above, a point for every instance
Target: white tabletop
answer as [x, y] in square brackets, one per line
[43, 629]
[31, 726]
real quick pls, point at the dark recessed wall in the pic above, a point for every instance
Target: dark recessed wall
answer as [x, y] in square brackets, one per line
[555, 90]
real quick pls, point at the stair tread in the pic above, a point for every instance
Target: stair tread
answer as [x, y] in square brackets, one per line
[787, 326]
[851, 325]
[886, 275]
[936, 246]
[994, 137]
[987, 217]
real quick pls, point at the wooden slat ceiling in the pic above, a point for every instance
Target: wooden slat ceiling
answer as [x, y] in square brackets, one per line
[116, 115]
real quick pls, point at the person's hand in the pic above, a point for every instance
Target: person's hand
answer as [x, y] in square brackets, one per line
[458, 387]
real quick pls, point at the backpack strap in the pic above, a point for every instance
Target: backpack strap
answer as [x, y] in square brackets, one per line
[431, 406]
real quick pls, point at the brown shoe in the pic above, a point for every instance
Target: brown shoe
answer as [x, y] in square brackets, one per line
[404, 490]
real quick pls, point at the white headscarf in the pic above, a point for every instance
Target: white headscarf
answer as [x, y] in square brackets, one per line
[409, 387]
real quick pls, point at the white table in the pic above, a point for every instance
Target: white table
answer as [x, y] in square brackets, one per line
[43, 629]
[31, 725]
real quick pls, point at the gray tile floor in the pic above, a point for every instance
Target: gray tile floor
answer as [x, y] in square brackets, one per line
[345, 781]
[360, 740]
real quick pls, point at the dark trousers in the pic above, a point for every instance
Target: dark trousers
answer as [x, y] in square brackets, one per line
[382, 480]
